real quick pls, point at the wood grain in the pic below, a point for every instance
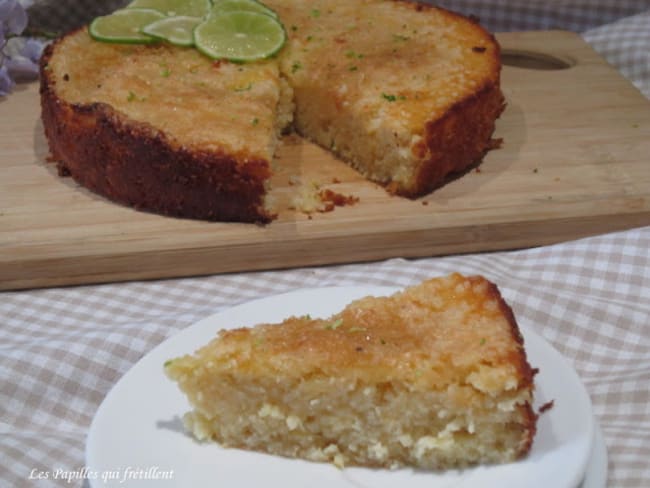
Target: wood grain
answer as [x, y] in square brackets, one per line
[574, 163]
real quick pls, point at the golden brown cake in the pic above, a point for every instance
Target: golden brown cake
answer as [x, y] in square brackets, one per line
[403, 92]
[433, 377]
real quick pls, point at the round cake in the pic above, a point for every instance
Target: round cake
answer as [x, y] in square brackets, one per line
[403, 92]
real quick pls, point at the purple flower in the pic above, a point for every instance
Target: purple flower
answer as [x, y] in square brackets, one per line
[18, 55]
[22, 63]
[6, 83]
[13, 19]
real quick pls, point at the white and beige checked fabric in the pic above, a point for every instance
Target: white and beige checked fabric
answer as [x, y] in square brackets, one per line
[63, 349]
[573, 15]
[626, 45]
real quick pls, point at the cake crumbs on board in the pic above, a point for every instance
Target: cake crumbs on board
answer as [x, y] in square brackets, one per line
[312, 198]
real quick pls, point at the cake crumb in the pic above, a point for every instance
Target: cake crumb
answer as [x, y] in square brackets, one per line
[312, 199]
[495, 143]
[333, 199]
[547, 406]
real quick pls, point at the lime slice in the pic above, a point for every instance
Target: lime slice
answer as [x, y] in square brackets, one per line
[239, 36]
[221, 6]
[190, 8]
[124, 26]
[175, 30]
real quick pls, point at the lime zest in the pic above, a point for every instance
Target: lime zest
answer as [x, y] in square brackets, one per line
[357, 329]
[244, 88]
[334, 325]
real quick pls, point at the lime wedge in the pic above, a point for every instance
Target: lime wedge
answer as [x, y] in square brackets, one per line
[239, 36]
[221, 6]
[190, 8]
[176, 30]
[124, 26]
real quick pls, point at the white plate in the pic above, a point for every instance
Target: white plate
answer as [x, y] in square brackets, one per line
[596, 474]
[137, 430]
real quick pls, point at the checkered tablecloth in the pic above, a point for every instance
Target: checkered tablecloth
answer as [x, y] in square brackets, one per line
[63, 349]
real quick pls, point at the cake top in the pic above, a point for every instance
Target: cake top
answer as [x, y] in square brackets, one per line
[174, 90]
[447, 330]
[395, 61]
[392, 64]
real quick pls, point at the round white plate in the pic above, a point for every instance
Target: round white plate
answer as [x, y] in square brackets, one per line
[137, 437]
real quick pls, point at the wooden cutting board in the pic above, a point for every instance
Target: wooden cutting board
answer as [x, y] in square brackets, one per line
[575, 162]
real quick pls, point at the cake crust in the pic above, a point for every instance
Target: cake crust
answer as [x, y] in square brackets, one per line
[382, 338]
[456, 141]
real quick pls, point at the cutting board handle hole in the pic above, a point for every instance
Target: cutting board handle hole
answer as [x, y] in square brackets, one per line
[534, 60]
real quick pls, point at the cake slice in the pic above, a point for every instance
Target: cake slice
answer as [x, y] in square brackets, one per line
[433, 377]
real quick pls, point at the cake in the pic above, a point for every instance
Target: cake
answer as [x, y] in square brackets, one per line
[433, 377]
[405, 93]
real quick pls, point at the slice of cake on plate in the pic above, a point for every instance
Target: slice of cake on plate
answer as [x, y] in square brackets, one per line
[433, 377]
